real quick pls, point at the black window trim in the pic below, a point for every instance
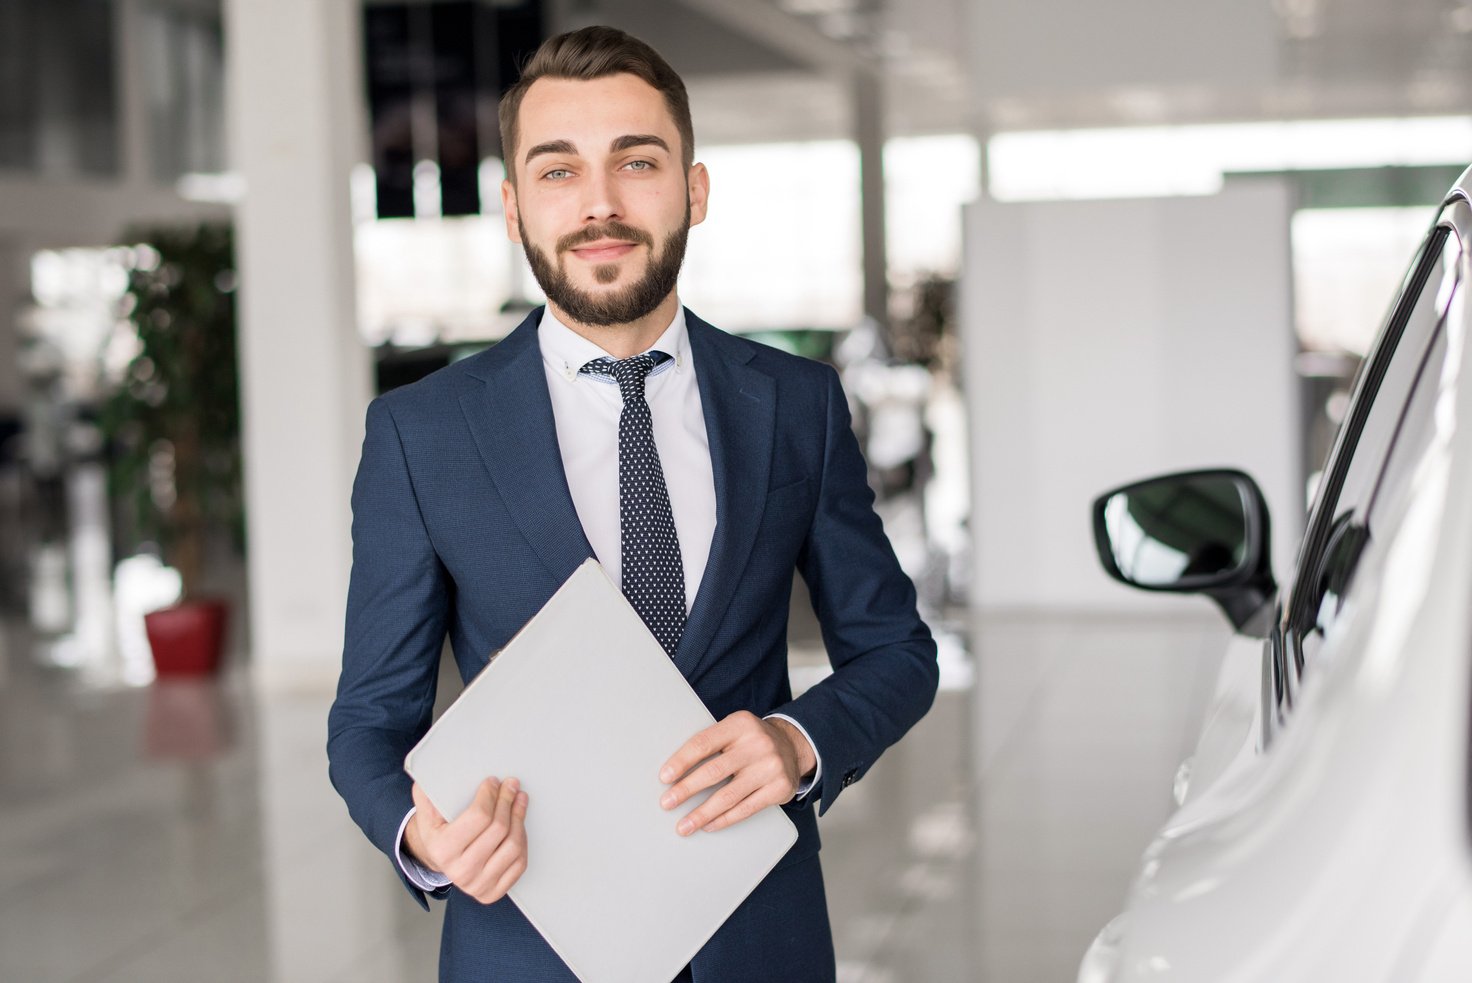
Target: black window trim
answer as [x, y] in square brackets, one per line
[1365, 390]
[1372, 374]
[1282, 654]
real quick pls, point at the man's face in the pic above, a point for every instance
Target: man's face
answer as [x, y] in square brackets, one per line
[601, 202]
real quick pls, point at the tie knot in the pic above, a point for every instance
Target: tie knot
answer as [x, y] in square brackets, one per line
[629, 373]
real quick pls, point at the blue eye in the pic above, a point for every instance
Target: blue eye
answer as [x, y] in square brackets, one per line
[556, 174]
[640, 165]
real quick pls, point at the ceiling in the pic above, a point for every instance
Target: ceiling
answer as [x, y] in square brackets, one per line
[763, 70]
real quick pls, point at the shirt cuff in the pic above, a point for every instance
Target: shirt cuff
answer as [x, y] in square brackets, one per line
[419, 875]
[808, 785]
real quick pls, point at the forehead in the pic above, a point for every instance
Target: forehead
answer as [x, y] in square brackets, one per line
[592, 112]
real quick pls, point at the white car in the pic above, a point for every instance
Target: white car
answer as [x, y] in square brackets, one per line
[1324, 833]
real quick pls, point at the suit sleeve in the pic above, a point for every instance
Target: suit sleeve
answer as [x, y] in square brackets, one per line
[884, 659]
[398, 599]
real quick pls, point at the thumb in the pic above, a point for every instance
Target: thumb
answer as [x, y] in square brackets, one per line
[426, 808]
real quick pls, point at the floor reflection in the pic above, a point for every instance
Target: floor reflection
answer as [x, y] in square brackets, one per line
[188, 719]
[187, 831]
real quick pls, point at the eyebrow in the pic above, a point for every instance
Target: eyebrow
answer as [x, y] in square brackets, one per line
[551, 147]
[619, 144]
[637, 140]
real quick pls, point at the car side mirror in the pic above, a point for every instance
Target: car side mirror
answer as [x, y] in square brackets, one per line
[1194, 532]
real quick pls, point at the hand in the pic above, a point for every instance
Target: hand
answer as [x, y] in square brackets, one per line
[483, 852]
[763, 758]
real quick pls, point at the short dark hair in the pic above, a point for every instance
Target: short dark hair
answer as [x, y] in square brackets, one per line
[594, 53]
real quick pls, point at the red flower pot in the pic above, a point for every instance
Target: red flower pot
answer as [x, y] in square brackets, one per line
[187, 639]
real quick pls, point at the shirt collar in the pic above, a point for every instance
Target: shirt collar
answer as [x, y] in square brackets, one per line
[566, 351]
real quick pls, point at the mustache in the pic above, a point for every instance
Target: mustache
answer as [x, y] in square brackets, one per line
[608, 230]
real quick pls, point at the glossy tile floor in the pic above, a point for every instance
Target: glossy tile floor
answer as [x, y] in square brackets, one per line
[188, 832]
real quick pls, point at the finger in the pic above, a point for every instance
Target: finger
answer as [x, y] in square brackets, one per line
[512, 848]
[425, 808]
[704, 744]
[506, 802]
[508, 880]
[518, 815]
[455, 836]
[724, 799]
[468, 866]
[713, 772]
[745, 809]
[486, 885]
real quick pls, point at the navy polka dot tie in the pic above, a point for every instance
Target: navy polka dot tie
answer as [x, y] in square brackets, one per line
[653, 574]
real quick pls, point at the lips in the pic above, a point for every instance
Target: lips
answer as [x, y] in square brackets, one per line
[604, 242]
[603, 251]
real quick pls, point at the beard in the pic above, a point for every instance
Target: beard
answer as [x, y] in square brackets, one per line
[619, 306]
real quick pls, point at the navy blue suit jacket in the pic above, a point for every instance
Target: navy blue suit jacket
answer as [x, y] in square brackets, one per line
[463, 525]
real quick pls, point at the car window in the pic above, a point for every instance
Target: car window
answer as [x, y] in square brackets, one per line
[1419, 429]
[1390, 411]
[1416, 434]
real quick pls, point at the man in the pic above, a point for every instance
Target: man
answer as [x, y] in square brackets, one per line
[700, 469]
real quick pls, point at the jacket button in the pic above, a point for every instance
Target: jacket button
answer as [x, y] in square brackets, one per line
[848, 779]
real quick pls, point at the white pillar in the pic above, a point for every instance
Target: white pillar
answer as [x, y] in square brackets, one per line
[297, 127]
[869, 133]
[133, 126]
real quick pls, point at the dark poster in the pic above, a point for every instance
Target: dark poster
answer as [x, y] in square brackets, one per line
[391, 76]
[435, 74]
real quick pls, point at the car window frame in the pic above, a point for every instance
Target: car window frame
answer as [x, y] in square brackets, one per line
[1282, 652]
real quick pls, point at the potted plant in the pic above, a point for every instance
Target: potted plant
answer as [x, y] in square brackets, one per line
[173, 423]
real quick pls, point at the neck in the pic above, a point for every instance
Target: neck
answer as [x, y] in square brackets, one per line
[629, 339]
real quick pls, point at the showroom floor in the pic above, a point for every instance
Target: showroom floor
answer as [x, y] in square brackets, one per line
[188, 832]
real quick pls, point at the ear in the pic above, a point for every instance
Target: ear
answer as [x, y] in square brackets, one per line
[698, 188]
[509, 208]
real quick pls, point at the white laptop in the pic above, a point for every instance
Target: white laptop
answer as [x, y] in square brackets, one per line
[584, 706]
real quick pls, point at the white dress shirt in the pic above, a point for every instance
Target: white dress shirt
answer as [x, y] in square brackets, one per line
[586, 408]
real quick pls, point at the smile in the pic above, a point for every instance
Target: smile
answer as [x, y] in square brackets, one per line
[604, 252]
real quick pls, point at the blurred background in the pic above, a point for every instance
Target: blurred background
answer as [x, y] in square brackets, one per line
[1051, 246]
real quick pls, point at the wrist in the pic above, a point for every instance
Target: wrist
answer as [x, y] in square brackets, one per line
[802, 751]
[413, 846]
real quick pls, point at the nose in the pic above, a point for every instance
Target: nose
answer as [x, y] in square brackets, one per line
[602, 201]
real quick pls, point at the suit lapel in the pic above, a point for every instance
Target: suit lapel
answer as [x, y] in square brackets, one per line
[510, 417]
[739, 405]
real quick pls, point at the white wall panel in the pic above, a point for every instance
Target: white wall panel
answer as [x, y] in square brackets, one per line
[1109, 341]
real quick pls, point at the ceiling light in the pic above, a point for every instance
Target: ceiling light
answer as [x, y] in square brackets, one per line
[807, 8]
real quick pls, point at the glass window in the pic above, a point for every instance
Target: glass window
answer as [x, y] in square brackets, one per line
[1418, 433]
[1405, 367]
[58, 94]
[184, 79]
[1393, 416]
[18, 121]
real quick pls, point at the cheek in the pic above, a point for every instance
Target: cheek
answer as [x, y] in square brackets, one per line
[669, 205]
[541, 230]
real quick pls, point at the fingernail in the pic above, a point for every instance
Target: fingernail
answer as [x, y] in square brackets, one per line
[685, 827]
[668, 775]
[668, 800]
[513, 785]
